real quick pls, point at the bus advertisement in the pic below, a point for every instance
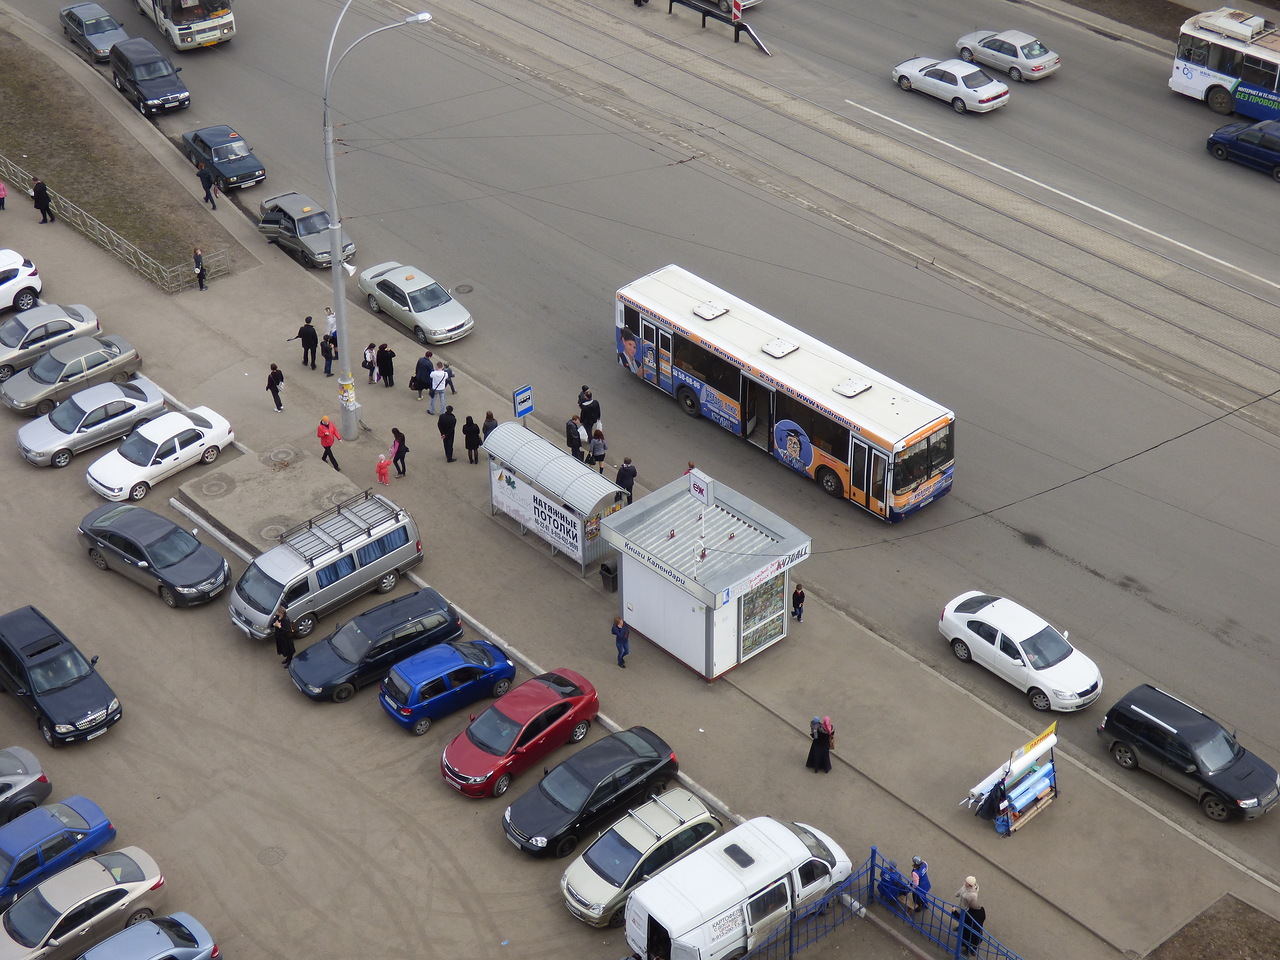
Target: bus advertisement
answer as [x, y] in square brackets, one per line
[1229, 59]
[861, 435]
[188, 24]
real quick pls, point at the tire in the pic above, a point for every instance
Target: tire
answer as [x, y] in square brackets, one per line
[1219, 151]
[388, 581]
[501, 687]
[830, 482]
[1215, 808]
[116, 80]
[121, 377]
[1275, 174]
[501, 784]
[421, 727]
[138, 916]
[26, 806]
[904, 83]
[6, 372]
[1124, 755]
[1221, 100]
[961, 650]
[566, 846]
[343, 693]
[420, 335]
[689, 402]
[373, 304]
[44, 406]
[25, 300]
[958, 105]
[657, 787]
[46, 731]
[966, 55]
[210, 454]
[1015, 74]
[725, 6]
[618, 919]
[142, 106]
[303, 626]
[138, 490]
[61, 458]
[1039, 700]
[580, 731]
[98, 559]
[169, 599]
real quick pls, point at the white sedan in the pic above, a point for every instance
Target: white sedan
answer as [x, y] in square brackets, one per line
[415, 299]
[1021, 648]
[159, 449]
[1018, 54]
[963, 85]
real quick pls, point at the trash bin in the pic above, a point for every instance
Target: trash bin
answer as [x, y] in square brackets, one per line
[609, 577]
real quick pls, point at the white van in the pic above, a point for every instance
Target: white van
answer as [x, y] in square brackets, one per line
[722, 900]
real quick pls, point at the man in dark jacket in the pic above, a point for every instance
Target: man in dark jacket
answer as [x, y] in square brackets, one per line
[626, 479]
[589, 412]
[573, 435]
[422, 372]
[310, 340]
[206, 181]
[447, 423]
[40, 194]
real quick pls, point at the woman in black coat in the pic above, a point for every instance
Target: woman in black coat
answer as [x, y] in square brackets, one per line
[386, 368]
[824, 740]
[471, 440]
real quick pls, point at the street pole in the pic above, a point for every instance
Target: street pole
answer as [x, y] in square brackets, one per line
[349, 415]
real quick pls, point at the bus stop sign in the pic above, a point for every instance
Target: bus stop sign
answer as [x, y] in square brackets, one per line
[522, 401]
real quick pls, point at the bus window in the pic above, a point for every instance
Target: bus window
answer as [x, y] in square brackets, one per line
[631, 319]
[858, 471]
[1193, 49]
[717, 373]
[1259, 73]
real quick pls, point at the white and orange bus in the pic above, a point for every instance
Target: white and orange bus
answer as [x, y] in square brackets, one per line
[863, 436]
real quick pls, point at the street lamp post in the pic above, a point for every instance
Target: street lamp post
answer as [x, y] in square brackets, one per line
[349, 416]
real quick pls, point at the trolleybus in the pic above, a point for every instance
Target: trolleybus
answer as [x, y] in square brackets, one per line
[863, 436]
[1231, 60]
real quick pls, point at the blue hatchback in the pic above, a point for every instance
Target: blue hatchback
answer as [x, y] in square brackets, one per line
[443, 679]
[1253, 144]
[41, 842]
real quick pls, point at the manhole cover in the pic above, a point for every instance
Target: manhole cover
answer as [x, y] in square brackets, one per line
[463, 288]
[271, 531]
[282, 455]
[215, 486]
[270, 856]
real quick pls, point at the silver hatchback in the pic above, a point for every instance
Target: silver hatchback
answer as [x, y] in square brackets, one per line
[89, 418]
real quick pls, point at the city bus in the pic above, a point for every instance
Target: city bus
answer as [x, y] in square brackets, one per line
[1229, 59]
[188, 24]
[861, 435]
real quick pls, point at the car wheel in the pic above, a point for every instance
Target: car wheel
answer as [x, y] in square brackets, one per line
[210, 454]
[60, 459]
[1275, 173]
[1123, 754]
[388, 581]
[18, 809]
[966, 55]
[961, 650]
[138, 490]
[566, 846]
[45, 406]
[958, 105]
[725, 6]
[169, 599]
[138, 916]
[420, 335]
[1039, 700]
[830, 482]
[343, 693]
[373, 304]
[904, 83]
[304, 625]
[580, 731]
[1215, 808]
[25, 300]
[116, 80]
[1221, 100]
[1015, 74]
[142, 106]
[98, 559]
[657, 786]
[1219, 151]
[618, 919]
[501, 784]
[46, 731]
[120, 377]
[421, 727]
[689, 402]
[6, 372]
[501, 687]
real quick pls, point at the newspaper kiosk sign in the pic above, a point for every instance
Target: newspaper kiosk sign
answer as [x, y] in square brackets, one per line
[554, 524]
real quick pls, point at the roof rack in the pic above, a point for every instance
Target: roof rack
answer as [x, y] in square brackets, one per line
[332, 530]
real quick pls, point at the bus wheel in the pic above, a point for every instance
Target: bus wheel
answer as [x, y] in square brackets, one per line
[1220, 101]
[688, 401]
[830, 481]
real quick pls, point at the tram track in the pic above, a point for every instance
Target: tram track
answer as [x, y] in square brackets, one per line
[1201, 325]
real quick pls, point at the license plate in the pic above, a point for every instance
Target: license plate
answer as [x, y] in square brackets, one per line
[515, 842]
[96, 733]
[453, 783]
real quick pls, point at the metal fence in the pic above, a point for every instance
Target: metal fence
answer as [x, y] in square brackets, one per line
[169, 279]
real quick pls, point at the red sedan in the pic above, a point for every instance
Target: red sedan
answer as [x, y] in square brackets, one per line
[517, 731]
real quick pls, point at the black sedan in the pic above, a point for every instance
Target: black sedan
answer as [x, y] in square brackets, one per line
[155, 553]
[592, 785]
[363, 650]
[226, 154]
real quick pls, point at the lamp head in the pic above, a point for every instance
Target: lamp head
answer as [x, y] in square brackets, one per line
[418, 18]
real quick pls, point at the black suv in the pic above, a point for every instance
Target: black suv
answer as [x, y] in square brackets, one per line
[51, 678]
[1156, 731]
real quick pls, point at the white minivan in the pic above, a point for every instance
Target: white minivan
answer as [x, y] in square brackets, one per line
[722, 900]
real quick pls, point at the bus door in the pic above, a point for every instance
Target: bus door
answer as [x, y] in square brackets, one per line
[657, 358]
[664, 360]
[867, 470]
[757, 413]
[876, 492]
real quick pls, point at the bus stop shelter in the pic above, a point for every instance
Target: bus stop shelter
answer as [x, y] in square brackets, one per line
[705, 572]
[549, 491]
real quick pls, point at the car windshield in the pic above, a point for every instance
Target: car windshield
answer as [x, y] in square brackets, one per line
[259, 591]
[612, 858]
[472, 652]
[100, 25]
[231, 151]
[1034, 49]
[12, 331]
[138, 449]
[397, 689]
[563, 787]
[1219, 752]
[30, 919]
[122, 867]
[977, 80]
[811, 840]
[67, 816]
[60, 671]
[67, 416]
[313, 224]
[47, 370]
[153, 70]
[174, 547]
[9, 766]
[1046, 649]
[351, 643]
[178, 935]
[428, 298]
[494, 732]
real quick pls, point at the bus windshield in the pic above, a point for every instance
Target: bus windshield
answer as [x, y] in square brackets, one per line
[924, 460]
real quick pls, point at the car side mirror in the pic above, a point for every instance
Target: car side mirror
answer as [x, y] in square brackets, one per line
[143, 565]
[1189, 768]
[545, 771]
[93, 662]
[177, 69]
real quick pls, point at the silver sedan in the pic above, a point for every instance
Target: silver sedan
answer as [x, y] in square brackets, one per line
[963, 85]
[89, 418]
[27, 336]
[1018, 54]
[23, 784]
[416, 300]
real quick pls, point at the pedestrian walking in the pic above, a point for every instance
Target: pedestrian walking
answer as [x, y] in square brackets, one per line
[971, 915]
[448, 370]
[385, 359]
[422, 372]
[823, 734]
[471, 440]
[598, 450]
[383, 470]
[283, 628]
[797, 603]
[209, 184]
[328, 352]
[197, 257]
[310, 340]
[398, 449]
[447, 424]
[575, 436]
[490, 423]
[622, 640]
[328, 435]
[589, 412]
[4, 192]
[626, 479]
[40, 197]
[370, 360]
[275, 379]
[439, 381]
[920, 883]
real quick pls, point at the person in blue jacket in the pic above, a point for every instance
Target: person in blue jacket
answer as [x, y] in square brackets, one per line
[920, 883]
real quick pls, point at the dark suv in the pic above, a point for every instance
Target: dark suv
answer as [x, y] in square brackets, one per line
[1156, 731]
[51, 678]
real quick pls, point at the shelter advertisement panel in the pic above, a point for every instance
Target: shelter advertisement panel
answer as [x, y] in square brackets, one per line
[552, 522]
